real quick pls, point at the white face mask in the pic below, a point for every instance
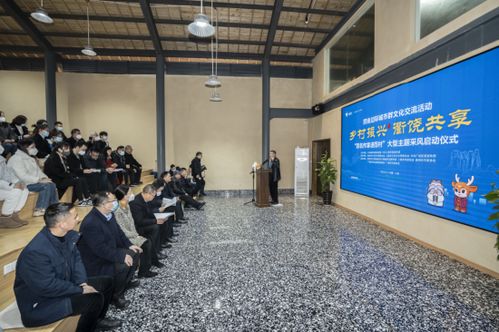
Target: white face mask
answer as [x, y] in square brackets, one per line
[1, 149]
[121, 153]
[131, 197]
[96, 138]
[58, 139]
[78, 137]
[81, 153]
[44, 133]
[32, 151]
[158, 193]
[104, 138]
[2, 118]
[59, 128]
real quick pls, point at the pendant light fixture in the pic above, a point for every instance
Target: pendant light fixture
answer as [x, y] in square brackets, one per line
[215, 96]
[88, 49]
[213, 81]
[41, 15]
[201, 26]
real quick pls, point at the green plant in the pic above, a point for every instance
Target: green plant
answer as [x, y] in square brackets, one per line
[327, 172]
[493, 197]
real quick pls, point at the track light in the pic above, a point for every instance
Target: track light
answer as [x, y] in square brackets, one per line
[41, 15]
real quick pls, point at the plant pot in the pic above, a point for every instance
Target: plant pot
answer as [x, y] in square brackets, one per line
[327, 196]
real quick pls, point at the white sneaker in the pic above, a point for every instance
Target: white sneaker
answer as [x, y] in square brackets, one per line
[277, 205]
[38, 212]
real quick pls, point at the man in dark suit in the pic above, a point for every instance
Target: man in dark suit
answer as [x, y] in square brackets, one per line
[40, 139]
[179, 191]
[51, 281]
[97, 174]
[169, 194]
[147, 225]
[197, 172]
[132, 165]
[105, 249]
[274, 164]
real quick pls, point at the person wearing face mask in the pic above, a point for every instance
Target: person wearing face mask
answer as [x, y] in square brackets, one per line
[133, 167]
[26, 169]
[41, 142]
[75, 137]
[13, 193]
[75, 160]
[124, 218]
[57, 169]
[7, 135]
[101, 141]
[58, 131]
[118, 158]
[105, 249]
[19, 127]
[95, 173]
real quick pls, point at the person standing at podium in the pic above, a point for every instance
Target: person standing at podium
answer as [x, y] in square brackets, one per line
[274, 165]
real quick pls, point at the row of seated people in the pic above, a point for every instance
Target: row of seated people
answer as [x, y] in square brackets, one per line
[69, 164]
[63, 273]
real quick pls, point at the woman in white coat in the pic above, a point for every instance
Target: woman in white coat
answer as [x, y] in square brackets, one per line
[26, 169]
[13, 193]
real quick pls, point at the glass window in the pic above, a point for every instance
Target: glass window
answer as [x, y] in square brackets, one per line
[434, 14]
[353, 54]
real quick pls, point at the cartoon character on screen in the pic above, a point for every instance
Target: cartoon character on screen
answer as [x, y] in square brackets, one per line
[461, 192]
[435, 193]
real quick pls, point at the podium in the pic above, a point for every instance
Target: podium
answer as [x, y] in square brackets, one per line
[262, 187]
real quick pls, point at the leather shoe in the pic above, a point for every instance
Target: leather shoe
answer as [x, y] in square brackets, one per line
[148, 274]
[105, 324]
[133, 284]
[176, 224]
[162, 256]
[120, 303]
[181, 221]
[200, 205]
[166, 246]
[159, 265]
[184, 219]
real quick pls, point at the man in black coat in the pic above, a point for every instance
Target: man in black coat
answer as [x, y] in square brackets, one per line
[179, 191]
[51, 281]
[274, 164]
[57, 169]
[105, 249]
[197, 172]
[169, 194]
[97, 175]
[147, 225]
[40, 139]
[132, 165]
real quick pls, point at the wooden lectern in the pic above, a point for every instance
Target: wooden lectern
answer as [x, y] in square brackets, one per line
[262, 187]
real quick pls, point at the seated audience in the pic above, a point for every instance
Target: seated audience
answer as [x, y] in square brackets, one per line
[25, 167]
[149, 256]
[7, 134]
[19, 127]
[40, 136]
[75, 137]
[13, 193]
[157, 207]
[96, 173]
[169, 194]
[105, 250]
[51, 282]
[146, 223]
[57, 168]
[101, 141]
[111, 168]
[57, 132]
[179, 191]
[190, 187]
[133, 166]
[118, 158]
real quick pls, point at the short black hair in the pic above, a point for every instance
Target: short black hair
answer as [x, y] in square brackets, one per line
[273, 151]
[24, 143]
[80, 143]
[164, 174]
[121, 191]
[172, 165]
[120, 147]
[20, 119]
[199, 153]
[75, 130]
[100, 198]
[158, 183]
[183, 169]
[57, 122]
[103, 133]
[55, 211]
[94, 149]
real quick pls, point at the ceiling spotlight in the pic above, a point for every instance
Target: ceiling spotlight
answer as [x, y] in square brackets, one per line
[215, 97]
[201, 26]
[41, 15]
[89, 50]
[306, 19]
[212, 82]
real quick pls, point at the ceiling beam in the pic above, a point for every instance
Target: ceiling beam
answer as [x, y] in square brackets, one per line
[152, 53]
[13, 10]
[79, 17]
[193, 3]
[340, 24]
[151, 26]
[166, 39]
[274, 20]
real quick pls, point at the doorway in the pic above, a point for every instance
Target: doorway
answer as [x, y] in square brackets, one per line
[319, 147]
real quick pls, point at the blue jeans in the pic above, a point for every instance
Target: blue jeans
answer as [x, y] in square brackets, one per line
[47, 194]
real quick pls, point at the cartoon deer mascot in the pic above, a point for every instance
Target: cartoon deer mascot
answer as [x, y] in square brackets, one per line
[461, 192]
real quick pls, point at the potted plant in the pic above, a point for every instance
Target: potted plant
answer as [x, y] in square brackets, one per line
[327, 174]
[493, 197]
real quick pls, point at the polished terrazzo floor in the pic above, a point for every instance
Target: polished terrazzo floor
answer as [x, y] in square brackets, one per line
[305, 267]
